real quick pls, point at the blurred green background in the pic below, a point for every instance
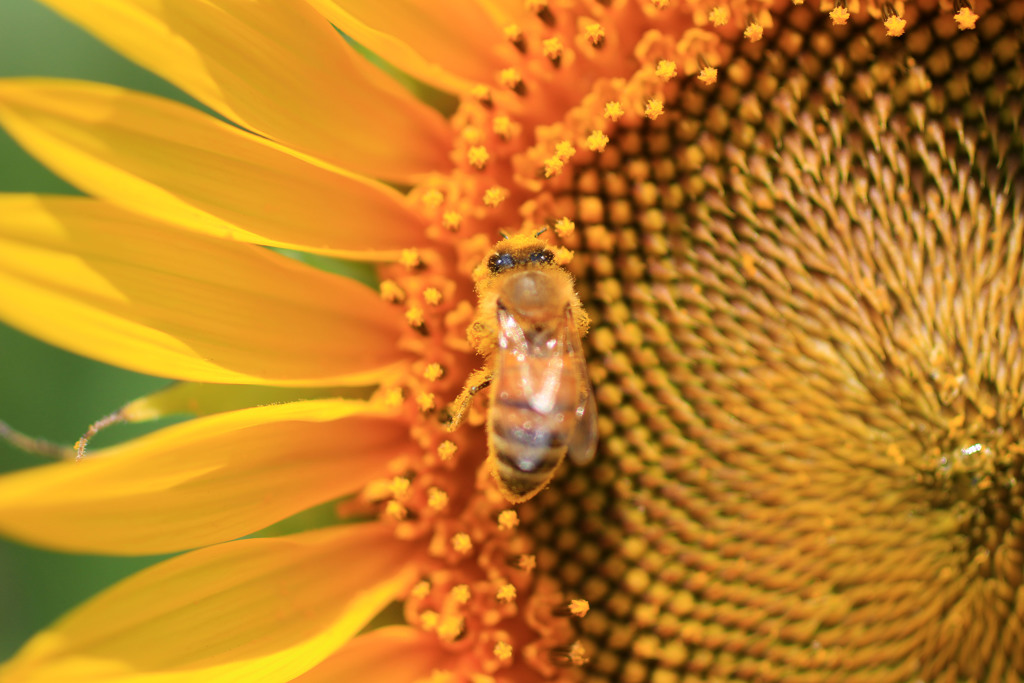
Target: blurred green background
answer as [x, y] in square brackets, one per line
[44, 391]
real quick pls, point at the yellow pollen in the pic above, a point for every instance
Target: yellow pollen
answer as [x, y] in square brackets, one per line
[552, 48]
[395, 510]
[578, 654]
[895, 25]
[502, 127]
[965, 18]
[506, 593]
[708, 75]
[719, 16]
[433, 372]
[420, 590]
[452, 220]
[450, 628]
[433, 198]
[400, 487]
[564, 226]
[482, 94]
[410, 258]
[666, 70]
[461, 594]
[514, 34]
[753, 32]
[527, 562]
[429, 619]
[597, 141]
[426, 401]
[613, 111]
[510, 78]
[594, 33]
[503, 651]
[563, 256]
[437, 499]
[393, 397]
[445, 450]
[390, 291]
[564, 150]
[414, 316]
[478, 157]
[495, 195]
[839, 15]
[432, 295]
[654, 109]
[508, 519]
[553, 166]
[462, 543]
[579, 608]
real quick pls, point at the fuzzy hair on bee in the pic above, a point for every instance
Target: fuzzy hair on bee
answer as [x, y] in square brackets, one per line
[529, 324]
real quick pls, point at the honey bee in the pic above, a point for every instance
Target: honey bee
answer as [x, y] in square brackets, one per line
[528, 324]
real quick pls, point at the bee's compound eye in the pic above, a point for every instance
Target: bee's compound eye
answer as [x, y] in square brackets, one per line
[500, 262]
[542, 256]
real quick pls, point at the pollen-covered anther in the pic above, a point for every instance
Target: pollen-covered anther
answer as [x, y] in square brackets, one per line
[564, 150]
[754, 31]
[594, 33]
[433, 372]
[429, 620]
[414, 316]
[433, 296]
[654, 108]
[460, 593]
[503, 127]
[446, 450]
[451, 220]
[391, 292]
[514, 34]
[437, 499]
[493, 196]
[966, 18]
[579, 608]
[553, 50]
[613, 111]
[541, 10]
[719, 15]
[564, 226]
[506, 593]
[839, 14]
[512, 79]
[450, 628]
[432, 198]
[395, 510]
[508, 520]
[894, 24]
[708, 74]
[394, 397]
[426, 401]
[503, 651]
[563, 256]
[527, 563]
[482, 94]
[478, 156]
[665, 70]
[574, 655]
[400, 487]
[462, 543]
[410, 258]
[597, 141]
[553, 166]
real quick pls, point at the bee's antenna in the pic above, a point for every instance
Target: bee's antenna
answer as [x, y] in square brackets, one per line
[25, 443]
[504, 235]
[542, 231]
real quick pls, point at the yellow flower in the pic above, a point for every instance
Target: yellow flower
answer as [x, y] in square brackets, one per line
[800, 251]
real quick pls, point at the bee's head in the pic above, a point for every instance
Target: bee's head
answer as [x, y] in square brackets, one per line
[516, 252]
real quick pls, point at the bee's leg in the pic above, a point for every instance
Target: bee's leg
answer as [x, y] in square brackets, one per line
[456, 411]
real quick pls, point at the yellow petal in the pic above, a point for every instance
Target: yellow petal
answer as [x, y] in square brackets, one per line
[390, 654]
[116, 287]
[278, 69]
[264, 609]
[451, 48]
[206, 481]
[175, 164]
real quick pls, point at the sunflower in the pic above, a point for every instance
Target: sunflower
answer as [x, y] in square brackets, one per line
[797, 229]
